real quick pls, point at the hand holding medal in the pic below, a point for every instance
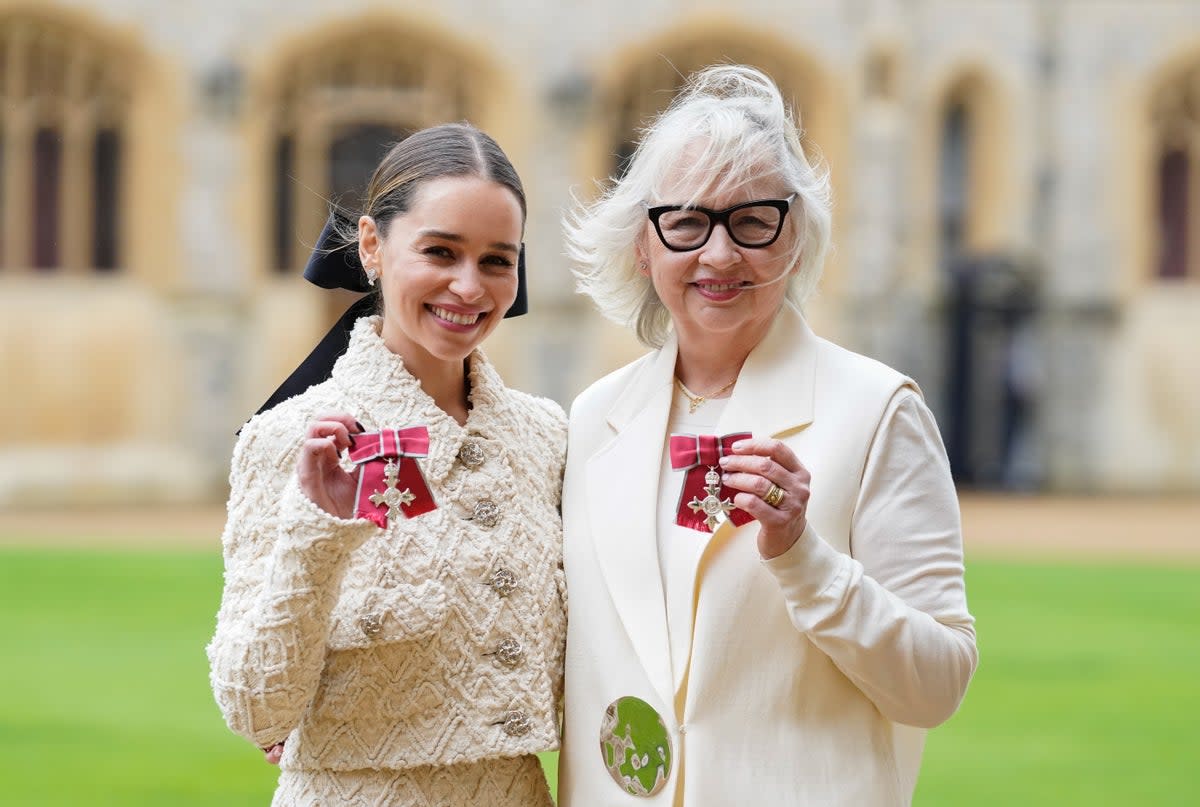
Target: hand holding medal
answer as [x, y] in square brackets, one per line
[387, 482]
[319, 469]
[775, 491]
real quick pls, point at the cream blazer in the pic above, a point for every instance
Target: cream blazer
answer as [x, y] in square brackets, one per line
[811, 676]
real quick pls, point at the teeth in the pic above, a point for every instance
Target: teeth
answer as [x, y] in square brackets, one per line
[719, 287]
[457, 319]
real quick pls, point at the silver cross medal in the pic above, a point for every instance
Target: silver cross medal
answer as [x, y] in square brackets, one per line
[715, 508]
[390, 496]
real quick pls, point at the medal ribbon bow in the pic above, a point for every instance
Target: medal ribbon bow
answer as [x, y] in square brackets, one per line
[387, 485]
[702, 499]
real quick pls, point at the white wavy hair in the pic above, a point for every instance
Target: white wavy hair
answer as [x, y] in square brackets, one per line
[733, 125]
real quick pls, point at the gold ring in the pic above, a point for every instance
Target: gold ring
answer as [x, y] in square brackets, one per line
[774, 496]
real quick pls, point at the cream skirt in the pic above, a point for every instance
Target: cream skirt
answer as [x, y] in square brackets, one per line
[505, 782]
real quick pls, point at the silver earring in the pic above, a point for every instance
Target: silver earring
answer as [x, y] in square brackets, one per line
[643, 266]
[371, 274]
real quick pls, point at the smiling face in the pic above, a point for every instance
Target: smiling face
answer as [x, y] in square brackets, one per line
[706, 289]
[447, 267]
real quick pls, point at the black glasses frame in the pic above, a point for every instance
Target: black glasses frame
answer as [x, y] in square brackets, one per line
[716, 217]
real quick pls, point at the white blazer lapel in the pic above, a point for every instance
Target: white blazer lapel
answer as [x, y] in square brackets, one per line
[774, 392]
[773, 398]
[622, 479]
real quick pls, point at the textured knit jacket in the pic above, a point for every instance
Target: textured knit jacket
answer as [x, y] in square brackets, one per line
[434, 641]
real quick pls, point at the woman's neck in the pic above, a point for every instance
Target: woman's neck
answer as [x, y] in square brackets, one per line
[445, 383]
[443, 380]
[705, 369]
[708, 360]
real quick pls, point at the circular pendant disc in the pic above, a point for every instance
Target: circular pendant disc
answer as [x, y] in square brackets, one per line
[635, 746]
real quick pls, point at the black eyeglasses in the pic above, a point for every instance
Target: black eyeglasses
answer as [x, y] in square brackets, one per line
[752, 225]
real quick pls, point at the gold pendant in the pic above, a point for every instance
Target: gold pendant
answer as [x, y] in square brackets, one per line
[694, 401]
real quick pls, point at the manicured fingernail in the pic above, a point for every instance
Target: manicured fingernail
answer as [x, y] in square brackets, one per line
[360, 426]
[352, 441]
[724, 461]
[740, 444]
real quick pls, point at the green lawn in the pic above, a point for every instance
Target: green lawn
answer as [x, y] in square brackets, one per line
[1087, 694]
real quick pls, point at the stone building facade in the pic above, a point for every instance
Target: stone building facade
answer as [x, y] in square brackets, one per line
[1017, 209]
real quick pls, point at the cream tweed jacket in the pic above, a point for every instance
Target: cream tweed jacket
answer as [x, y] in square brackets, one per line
[436, 641]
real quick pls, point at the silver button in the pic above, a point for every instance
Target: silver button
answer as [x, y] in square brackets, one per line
[516, 723]
[370, 624]
[471, 454]
[503, 582]
[509, 653]
[486, 513]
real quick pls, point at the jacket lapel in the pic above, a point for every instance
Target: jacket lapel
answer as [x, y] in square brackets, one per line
[774, 392]
[622, 502]
[773, 398]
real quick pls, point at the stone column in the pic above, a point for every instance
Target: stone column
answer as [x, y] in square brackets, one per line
[210, 295]
[1080, 313]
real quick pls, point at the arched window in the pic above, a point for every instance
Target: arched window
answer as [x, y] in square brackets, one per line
[651, 86]
[953, 180]
[339, 108]
[974, 205]
[1176, 116]
[63, 104]
[990, 293]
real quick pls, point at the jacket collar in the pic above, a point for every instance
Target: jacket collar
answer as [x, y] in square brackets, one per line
[774, 392]
[387, 396]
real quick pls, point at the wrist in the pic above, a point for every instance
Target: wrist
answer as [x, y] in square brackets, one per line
[772, 546]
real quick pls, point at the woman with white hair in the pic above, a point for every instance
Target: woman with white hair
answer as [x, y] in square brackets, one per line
[763, 548]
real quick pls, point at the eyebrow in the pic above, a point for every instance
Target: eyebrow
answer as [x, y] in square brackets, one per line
[458, 239]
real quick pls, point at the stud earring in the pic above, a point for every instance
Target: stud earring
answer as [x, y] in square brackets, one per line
[372, 273]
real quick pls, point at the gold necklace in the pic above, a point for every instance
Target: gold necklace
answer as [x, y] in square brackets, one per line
[694, 401]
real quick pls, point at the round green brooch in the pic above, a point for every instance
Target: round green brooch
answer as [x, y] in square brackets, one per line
[635, 746]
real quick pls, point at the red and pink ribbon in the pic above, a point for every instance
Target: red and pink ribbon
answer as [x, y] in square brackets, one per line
[697, 453]
[372, 452]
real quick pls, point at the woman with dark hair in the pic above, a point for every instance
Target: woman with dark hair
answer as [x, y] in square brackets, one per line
[392, 622]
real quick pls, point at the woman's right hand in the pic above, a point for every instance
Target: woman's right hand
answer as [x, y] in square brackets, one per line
[273, 753]
[319, 469]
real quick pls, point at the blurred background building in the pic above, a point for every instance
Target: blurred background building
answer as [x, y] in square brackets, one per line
[1017, 190]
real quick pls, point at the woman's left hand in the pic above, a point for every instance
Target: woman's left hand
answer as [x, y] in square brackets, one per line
[768, 471]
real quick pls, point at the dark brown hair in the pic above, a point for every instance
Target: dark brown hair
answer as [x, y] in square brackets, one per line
[448, 150]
